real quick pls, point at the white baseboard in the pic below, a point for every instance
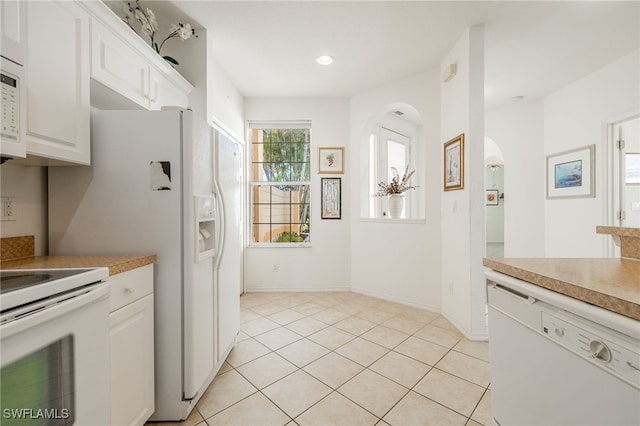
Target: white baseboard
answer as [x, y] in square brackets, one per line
[412, 303]
[478, 337]
[251, 289]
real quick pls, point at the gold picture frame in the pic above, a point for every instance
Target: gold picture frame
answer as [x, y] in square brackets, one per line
[454, 163]
[331, 160]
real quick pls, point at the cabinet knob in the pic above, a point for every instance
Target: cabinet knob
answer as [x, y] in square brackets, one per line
[130, 288]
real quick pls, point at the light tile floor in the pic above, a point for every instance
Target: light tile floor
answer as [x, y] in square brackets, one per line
[342, 358]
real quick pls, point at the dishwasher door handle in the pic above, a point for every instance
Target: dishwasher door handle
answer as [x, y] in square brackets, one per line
[506, 290]
[521, 307]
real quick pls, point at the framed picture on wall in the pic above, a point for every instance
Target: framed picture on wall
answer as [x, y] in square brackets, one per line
[331, 198]
[331, 160]
[454, 163]
[570, 174]
[491, 197]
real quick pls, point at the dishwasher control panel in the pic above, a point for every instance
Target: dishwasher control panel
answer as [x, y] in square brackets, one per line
[610, 353]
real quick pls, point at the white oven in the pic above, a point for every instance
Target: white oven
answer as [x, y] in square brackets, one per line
[54, 346]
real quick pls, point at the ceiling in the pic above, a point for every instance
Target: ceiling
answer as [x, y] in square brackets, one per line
[268, 48]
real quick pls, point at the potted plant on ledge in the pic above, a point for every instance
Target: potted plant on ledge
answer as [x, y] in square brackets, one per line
[395, 190]
[149, 27]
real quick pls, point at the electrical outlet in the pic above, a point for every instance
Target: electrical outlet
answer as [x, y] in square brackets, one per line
[8, 209]
[275, 267]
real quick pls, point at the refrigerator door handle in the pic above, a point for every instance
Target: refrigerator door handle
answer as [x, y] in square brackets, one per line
[221, 224]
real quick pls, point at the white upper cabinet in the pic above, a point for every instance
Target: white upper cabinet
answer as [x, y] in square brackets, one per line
[118, 66]
[57, 73]
[166, 91]
[126, 72]
[13, 30]
[73, 55]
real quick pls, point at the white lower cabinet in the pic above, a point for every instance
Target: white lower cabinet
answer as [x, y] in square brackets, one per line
[132, 347]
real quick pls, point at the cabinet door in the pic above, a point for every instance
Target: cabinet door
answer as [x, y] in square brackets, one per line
[165, 93]
[118, 66]
[57, 69]
[13, 30]
[132, 363]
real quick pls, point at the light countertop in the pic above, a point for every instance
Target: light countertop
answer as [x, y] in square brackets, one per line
[612, 284]
[116, 264]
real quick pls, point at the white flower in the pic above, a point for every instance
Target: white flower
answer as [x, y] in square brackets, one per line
[149, 26]
[152, 19]
[185, 31]
[139, 15]
[127, 13]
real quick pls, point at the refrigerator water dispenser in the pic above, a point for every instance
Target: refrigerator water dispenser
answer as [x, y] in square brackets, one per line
[205, 227]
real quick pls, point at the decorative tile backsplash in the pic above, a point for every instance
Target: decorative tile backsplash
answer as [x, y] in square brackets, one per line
[17, 247]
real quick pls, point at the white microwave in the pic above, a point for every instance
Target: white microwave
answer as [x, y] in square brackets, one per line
[12, 109]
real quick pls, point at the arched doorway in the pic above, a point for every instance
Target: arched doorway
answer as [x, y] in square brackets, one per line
[494, 198]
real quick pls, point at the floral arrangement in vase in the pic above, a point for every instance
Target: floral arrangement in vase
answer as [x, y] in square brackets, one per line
[397, 185]
[149, 26]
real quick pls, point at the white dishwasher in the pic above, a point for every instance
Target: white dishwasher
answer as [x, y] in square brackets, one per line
[555, 360]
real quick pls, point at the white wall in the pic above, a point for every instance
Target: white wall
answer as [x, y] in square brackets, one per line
[325, 265]
[225, 104]
[29, 187]
[518, 129]
[463, 227]
[576, 116]
[398, 260]
[214, 97]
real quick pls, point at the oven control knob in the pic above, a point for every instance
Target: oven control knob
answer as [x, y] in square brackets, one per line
[600, 351]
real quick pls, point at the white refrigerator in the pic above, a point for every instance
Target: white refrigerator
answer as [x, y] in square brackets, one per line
[152, 188]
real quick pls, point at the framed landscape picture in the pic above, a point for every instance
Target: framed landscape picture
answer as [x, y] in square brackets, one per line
[454, 163]
[331, 160]
[570, 174]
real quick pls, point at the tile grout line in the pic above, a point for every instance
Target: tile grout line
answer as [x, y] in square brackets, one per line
[388, 350]
[449, 349]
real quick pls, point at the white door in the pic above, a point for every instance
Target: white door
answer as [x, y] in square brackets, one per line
[627, 173]
[229, 176]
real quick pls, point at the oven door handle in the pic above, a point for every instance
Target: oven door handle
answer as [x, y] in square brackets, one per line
[19, 319]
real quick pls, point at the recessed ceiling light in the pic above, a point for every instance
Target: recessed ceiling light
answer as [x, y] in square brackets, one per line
[324, 59]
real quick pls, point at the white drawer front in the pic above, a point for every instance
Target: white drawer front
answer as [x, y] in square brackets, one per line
[130, 286]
